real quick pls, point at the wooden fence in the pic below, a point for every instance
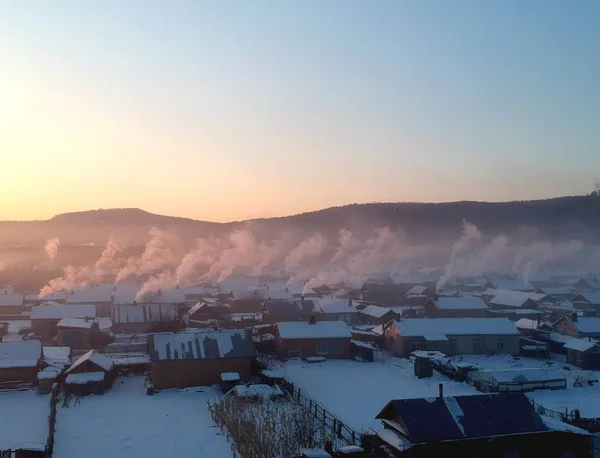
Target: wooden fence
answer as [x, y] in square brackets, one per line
[572, 418]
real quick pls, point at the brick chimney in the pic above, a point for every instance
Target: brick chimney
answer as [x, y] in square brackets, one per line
[313, 320]
[441, 391]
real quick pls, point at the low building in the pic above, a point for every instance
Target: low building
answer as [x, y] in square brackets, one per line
[19, 362]
[376, 315]
[452, 336]
[74, 332]
[519, 379]
[512, 300]
[275, 311]
[421, 290]
[511, 285]
[11, 303]
[330, 339]
[199, 358]
[339, 310]
[385, 293]
[587, 301]
[209, 309]
[456, 307]
[504, 424]
[585, 285]
[584, 353]
[144, 318]
[44, 318]
[91, 373]
[578, 326]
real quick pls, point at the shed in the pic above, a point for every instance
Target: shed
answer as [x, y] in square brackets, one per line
[520, 379]
[199, 358]
[275, 311]
[309, 339]
[91, 373]
[19, 361]
[584, 353]
[374, 314]
[456, 307]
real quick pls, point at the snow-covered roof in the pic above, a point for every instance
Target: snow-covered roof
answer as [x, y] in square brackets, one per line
[526, 323]
[456, 326]
[58, 312]
[318, 330]
[57, 354]
[85, 378]
[79, 323]
[89, 296]
[557, 290]
[200, 345]
[580, 344]
[493, 292]
[209, 302]
[11, 300]
[418, 290]
[56, 296]
[94, 357]
[335, 306]
[510, 299]
[143, 313]
[23, 353]
[375, 311]
[592, 298]
[314, 453]
[460, 303]
[513, 285]
[256, 391]
[587, 324]
[540, 374]
[557, 425]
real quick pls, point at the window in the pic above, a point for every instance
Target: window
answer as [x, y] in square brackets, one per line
[294, 354]
[336, 347]
[501, 345]
[476, 344]
[322, 348]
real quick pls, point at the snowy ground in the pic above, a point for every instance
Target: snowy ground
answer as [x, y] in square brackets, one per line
[127, 422]
[356, 392]
[23, 419]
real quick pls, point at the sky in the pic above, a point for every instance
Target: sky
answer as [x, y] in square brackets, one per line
[240, 109]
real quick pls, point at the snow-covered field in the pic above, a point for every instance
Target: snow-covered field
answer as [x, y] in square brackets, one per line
[23, 419]
[127, 422]
[356, 392]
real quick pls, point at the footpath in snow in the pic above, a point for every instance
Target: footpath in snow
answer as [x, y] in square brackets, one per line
[126, 422]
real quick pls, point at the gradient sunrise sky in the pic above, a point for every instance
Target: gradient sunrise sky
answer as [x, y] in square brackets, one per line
[224, 110]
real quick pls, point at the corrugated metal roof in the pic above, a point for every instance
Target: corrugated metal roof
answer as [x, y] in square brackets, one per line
[200, 345]
[456, 326]
[465, 417]
[58, 312]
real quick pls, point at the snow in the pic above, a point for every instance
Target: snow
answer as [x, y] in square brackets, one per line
[24, 353]
[526, 323]
[14, 326]
[84, 378]
[78, 323]
[57, 355]
[336, 306]
[314, 453]
[230, 376]
[91, 295]
[58, 312]
[456, 326]
[460, 303]
[356, 392]
[349, 449]
[558, 425]
[143, 313]
[94, 357]
[455, 411]
[592, 298]
[510, 299]
[375, 311]
[587, 324]
[493, 292]
[192, 344]
[23, 419]
[256, 391]
[318, 330]
[126, 422]
[580, 344]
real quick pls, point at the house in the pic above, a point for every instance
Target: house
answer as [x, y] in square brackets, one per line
[330, 339]
[512, 300]
[494, 425]
[374, 314]
[557, 293]
[385, 293]
[587, 301]
[421, 290]
[578, 326]
[490, 293]
[91, 373]
[19, 361]
[518, 379]
[44, 318]
[209, 309]
[511, 285]
[143, 318]
[60, 297]
[453, 336]
[275, 311]
[74, 332]
[456, 307]
[339, 310]
[585, 285]
[96, 295]
[584, 353]
[11, 303]
[199, 358]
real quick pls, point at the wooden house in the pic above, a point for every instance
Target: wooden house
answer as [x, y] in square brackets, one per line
[19, 361]
[144, 318]
[303, 339]
[456, 307]
[453, 336]
[578, 326]
[11, 304]
[589, 302]
[275, 311]
[209, 309]
[376, 315]
[199, 358]
[385, 293]
[584, 353]
[44, 318]
[74, 332]
[486, 425]
[339, 310]
[91, 373]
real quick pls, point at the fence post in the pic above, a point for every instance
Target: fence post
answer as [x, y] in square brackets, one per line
[310, 406]
[353, 438]
[298, 396]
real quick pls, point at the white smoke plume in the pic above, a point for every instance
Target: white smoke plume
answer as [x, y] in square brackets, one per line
[51, 248]
[470, 235]
[108, 259]
[305, 253]
[157, 256]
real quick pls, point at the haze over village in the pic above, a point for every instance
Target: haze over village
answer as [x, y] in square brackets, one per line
[299, 229]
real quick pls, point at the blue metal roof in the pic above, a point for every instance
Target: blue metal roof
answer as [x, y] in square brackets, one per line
[464, 417]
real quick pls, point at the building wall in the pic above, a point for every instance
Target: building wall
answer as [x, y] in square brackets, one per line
[564, 326]
[368, 319]
[196, 372]
[308, 347]
[348, 318]
[463, 313]
[25, 374]
[74, 338]
[11, 310]
[133, 328]
[44, 327]
[268, 318]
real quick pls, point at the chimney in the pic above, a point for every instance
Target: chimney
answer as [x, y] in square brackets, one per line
[313, 320]
[87, 319]
[302, 299]
[441, 391]
[159, 292]
[287, 289]
[349, 302]
[574, 317]
[72, 292]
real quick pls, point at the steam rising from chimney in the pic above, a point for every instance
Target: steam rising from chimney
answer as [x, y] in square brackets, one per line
[51, 248]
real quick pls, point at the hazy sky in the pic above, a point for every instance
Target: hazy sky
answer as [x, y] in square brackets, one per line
[226, 110]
